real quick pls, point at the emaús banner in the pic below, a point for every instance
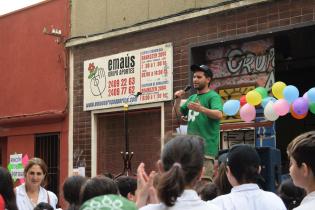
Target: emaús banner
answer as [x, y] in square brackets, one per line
[133, 77]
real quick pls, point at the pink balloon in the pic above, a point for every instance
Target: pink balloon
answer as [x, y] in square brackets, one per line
[22, 180]
[248, 112]
[281, 107]
[25, 160]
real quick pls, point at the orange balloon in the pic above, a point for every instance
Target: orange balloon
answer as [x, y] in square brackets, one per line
[297, 116]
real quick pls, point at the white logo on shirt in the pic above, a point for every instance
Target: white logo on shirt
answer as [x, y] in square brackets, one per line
[192, 115]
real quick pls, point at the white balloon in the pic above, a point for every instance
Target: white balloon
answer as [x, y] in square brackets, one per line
[270, 113]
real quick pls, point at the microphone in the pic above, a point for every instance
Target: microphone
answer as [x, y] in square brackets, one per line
[137, 94]
[188, 87]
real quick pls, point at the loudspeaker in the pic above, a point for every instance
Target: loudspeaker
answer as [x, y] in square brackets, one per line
[270, 167]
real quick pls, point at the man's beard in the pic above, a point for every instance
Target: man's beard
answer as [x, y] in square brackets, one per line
[200, 87]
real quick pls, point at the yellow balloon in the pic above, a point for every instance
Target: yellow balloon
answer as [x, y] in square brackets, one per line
[253, 98]
[277, 89]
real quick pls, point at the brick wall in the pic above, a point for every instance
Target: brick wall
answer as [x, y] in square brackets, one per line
[251, 20]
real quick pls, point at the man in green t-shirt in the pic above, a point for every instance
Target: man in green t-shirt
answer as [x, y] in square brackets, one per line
[204, 111]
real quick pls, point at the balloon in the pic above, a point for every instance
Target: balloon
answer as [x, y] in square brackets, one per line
[253, 97]
[290, 93]
[300, 106]
[277, 89]
[295, 115]
[311, 95]
[281, 107]
[243, 100]
[305, 96]
[270, 113]
[262, 91]
[265, 101]
[248, 112]
[312, 107]
[231, 107]
[22, 180]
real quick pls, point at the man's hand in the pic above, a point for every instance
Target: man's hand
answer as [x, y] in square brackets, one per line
[179, 94]
[197, 107]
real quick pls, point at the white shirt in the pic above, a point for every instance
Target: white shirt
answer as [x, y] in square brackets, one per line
[24, 202]
[188, 200]
[249, 197]
[308, 202]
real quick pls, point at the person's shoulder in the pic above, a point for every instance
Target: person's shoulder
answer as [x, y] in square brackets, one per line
[213, 93]
[20, 189]
[159, 206]
[219, 200]
[212, 206]
[52, 195]
[272, 199]
[2, 203]
[270, 195]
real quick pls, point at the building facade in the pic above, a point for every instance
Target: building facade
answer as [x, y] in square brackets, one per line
[247, 44]
[34, 87]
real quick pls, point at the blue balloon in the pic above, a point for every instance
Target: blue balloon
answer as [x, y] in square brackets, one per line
[265, 101]
[231, 107]
[290, 93]
[311, 95]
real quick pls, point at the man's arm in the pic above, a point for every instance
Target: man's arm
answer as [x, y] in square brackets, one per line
[178, 97]
[211, 113]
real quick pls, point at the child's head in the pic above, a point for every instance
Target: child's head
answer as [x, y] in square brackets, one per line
[301, 152]
[290, 194]
[221, 180]
[127, 186]
[71, 189]
[243, 163]
[182, 162]
[99, 185]
[209, 192]
[43, 206]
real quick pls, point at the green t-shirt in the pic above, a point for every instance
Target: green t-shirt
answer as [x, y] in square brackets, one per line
[200, 124]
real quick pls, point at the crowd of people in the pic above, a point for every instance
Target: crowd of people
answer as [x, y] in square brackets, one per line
[178, 182]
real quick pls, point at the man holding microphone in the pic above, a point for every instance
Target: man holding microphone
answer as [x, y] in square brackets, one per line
[204, 111]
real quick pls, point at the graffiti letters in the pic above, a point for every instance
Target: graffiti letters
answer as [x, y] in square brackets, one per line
[239, 62]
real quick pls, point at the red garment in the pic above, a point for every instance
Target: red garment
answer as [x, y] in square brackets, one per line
[2, 203]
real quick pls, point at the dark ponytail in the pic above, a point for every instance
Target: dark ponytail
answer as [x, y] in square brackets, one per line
[171, 185]
[182, 161]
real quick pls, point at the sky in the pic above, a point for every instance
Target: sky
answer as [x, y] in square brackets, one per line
[7, 6]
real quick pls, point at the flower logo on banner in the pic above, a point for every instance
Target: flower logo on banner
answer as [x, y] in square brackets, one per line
[98, 79]
[16, 166]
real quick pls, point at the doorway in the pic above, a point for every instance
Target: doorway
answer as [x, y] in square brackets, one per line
[144, 137]
[295, 65]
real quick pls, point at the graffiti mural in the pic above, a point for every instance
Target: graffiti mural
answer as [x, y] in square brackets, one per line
[242, 63]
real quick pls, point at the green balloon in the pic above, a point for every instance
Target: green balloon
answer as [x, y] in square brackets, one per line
[312, 107]
[262, 91]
